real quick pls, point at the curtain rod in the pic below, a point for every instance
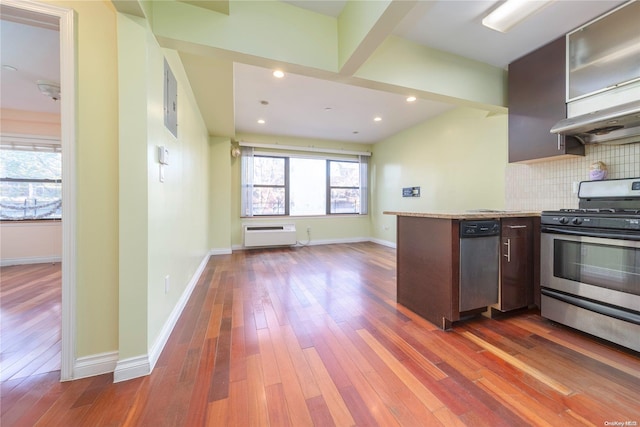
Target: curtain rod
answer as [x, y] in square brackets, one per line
[298, 148]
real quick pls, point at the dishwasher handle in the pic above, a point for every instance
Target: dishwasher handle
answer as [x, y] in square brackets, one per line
[508, 254]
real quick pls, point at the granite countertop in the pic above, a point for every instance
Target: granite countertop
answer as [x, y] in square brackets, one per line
[470, 214]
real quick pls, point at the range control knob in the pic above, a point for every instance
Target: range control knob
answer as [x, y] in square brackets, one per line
[564, 220]
[577, 221]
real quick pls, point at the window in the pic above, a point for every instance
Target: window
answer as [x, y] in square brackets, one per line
[344, 187]
[302, 185]
[269, 186]
[30, 183]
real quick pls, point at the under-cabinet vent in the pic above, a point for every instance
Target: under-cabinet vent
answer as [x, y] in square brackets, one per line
[269, 235]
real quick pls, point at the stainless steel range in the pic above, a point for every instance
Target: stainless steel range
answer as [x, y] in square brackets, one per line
[590, 262]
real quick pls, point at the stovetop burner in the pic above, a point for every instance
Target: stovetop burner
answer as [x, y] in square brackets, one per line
[609, 205]
[602, 211]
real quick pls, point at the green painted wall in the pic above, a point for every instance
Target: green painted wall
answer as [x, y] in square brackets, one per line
[220, 194]
[133, 192]
[458, 160]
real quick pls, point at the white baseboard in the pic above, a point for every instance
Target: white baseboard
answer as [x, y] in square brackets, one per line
[5, 262]
[316, 243]
[220, 251]
[334, 241]
[96, 364]
[161, 341]
[142, 365]
[133, 367]
[384, 243]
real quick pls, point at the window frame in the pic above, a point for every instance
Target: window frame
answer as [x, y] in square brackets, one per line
[328, 188]
[42, 145]
[285, 186]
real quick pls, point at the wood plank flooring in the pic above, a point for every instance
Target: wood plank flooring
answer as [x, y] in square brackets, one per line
[30, 320]
[313, 336]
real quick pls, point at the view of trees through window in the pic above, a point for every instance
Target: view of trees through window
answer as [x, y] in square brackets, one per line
[30, 184]
[301, 186]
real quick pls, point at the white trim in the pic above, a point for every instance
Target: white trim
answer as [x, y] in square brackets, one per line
[163, 337]
[68, 141]
[315, 243]
[384, 243]
[330, 242]
[5, 262]
[220, 251]
[142, 365]
[133, 367]
[96, 364]
[11, 140]
[300, 148]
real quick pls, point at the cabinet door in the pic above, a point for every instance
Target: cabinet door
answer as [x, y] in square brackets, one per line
[516, 286]
[537, 89]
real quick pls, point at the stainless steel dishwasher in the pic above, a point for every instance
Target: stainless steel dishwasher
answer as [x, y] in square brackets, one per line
[479, 263]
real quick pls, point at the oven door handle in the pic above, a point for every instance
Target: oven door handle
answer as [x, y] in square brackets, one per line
[583, 232]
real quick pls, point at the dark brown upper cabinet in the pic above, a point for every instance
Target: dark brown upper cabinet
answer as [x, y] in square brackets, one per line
[536, 96]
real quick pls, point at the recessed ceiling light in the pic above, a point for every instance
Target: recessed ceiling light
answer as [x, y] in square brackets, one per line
[261, 121]
[9, 68]
[278, 74]
[377, 119]
[328, 108]
[411, 99]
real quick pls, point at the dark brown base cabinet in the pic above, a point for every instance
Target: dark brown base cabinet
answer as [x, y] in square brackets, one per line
[536, 98]
[518, 269]
[428, 267]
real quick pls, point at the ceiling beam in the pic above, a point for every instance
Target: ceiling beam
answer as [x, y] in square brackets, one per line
[363, 26]
[129, 7]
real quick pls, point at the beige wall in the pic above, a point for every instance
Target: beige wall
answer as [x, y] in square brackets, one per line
[457, 159]
[96, 177]
[30, 242]
[29, 123]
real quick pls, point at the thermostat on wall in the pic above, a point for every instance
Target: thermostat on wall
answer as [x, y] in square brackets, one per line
[163, 155]
[411, 192]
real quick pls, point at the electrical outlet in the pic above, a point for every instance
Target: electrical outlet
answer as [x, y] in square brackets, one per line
[166, 284]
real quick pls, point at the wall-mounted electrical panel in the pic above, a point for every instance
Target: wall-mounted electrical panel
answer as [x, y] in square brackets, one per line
[170, 100]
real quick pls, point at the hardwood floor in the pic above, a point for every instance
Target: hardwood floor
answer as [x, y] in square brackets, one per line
[313, 336]
[30, 320]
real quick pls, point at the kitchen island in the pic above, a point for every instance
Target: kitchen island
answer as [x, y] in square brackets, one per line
[428, 261]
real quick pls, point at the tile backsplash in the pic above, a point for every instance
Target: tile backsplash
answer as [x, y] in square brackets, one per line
[550, 185]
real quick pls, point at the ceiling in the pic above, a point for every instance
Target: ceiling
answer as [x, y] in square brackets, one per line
[321, 108]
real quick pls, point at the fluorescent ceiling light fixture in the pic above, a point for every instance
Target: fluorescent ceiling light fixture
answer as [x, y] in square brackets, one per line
[512, 12]
[278, 74]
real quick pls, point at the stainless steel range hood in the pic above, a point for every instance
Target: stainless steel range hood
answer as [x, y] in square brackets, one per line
[614, 125]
